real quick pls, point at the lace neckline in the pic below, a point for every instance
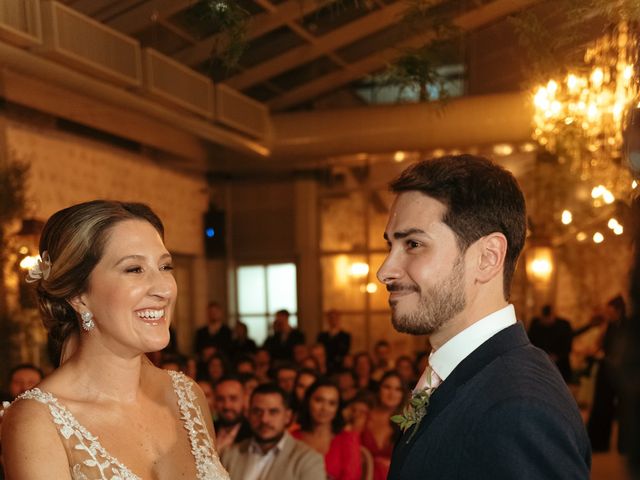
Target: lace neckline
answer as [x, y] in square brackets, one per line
[69, 425]
[205, 456]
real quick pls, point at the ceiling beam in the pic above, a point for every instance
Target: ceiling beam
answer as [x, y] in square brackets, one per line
[258, 25]
[146, 13]
[326, 44]
[468, 21]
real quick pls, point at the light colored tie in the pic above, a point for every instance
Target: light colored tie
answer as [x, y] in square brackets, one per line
[428, 374]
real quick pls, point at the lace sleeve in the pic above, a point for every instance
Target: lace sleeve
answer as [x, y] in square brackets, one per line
[208, 463]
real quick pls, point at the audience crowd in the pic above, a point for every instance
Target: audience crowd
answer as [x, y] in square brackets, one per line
[289, 410]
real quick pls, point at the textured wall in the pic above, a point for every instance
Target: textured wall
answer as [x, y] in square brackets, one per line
[67, 169]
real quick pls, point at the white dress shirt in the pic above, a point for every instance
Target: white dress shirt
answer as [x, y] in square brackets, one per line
[446, 358]
[259, 463]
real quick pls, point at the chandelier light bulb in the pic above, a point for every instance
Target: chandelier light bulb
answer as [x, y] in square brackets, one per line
[597, 76]
[634, 184]
[612, 223]
[598, 237]
[581, 236]
[567, 217]
[29, 262]
[618, 230]
[608, 197]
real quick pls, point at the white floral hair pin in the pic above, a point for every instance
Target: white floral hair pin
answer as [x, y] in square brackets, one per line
[41, 270]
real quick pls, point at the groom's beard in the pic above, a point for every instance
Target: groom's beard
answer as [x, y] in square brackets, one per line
[437, 305]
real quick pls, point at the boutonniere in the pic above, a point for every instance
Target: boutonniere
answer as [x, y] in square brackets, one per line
[414, 412]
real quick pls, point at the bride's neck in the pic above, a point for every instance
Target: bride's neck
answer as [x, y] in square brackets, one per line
[105, 376]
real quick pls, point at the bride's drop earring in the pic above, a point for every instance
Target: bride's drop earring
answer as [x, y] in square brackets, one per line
[87, 321]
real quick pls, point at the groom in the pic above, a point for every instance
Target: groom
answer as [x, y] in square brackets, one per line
[498, 408]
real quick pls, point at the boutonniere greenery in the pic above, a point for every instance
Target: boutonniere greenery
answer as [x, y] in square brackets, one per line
[414, 412]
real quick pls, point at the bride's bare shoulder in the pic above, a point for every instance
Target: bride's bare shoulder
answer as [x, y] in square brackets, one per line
[31, 446]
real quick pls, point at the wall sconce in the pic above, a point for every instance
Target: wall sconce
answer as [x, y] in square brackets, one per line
[358, 269]
[540, 264]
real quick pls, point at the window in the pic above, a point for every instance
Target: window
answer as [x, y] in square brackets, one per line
[262, 291]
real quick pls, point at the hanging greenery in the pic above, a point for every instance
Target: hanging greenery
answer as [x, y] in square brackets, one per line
[543, 41]
[230, 20]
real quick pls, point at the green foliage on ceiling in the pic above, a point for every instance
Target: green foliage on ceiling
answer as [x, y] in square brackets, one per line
[543, 40]
[416, 68]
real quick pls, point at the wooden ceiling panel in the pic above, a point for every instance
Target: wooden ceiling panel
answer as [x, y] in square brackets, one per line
[164, 40]
[304, 73]
[300, 50]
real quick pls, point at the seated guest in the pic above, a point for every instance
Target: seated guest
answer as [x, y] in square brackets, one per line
[217, 367]
[286, 377]
[249, 383]
[174, 362]
[381, 359]
[406, 370]
[305, 378]
[356, 412]
[346, 381]
[319, 354]
[245, 364]
[215, 334]
[300, 353]
[363, 368]
[336, 341]
[280, 344]
[263, 365]
[23, 377]
[322, 428]
[241, 344]
[271, 453]
[310, 363]
[380, 434]
[231, 425]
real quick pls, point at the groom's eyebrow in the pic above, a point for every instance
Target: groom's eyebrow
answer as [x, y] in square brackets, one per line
[404, 233]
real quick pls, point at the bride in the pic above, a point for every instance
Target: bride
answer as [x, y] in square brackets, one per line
[106, 293]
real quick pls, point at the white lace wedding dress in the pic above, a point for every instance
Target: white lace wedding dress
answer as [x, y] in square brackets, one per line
[88, 460]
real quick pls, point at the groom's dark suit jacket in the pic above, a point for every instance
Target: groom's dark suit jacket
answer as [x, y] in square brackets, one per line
[504, 413]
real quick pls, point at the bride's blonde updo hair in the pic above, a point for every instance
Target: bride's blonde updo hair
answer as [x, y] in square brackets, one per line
[74, 239]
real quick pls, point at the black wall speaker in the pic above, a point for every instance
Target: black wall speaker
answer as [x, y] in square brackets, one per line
[214, 233]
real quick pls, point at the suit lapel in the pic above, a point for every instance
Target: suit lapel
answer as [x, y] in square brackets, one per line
[507, 339]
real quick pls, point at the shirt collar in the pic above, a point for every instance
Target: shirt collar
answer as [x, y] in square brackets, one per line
[254, 447]
[444, 360]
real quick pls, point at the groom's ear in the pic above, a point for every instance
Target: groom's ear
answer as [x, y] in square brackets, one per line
[492, 251]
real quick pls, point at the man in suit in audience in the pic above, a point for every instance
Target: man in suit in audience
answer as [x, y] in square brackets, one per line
[280, 344]
[215, 334]
[497, 407]
[271, 453]
[336, 341]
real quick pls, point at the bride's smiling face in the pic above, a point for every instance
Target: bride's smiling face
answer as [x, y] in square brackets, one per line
[132, 290]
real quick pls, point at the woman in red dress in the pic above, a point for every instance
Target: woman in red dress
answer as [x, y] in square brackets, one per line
[380, 434]
[322, 428]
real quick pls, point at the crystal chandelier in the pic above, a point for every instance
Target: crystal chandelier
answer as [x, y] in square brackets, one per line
[582, 117]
